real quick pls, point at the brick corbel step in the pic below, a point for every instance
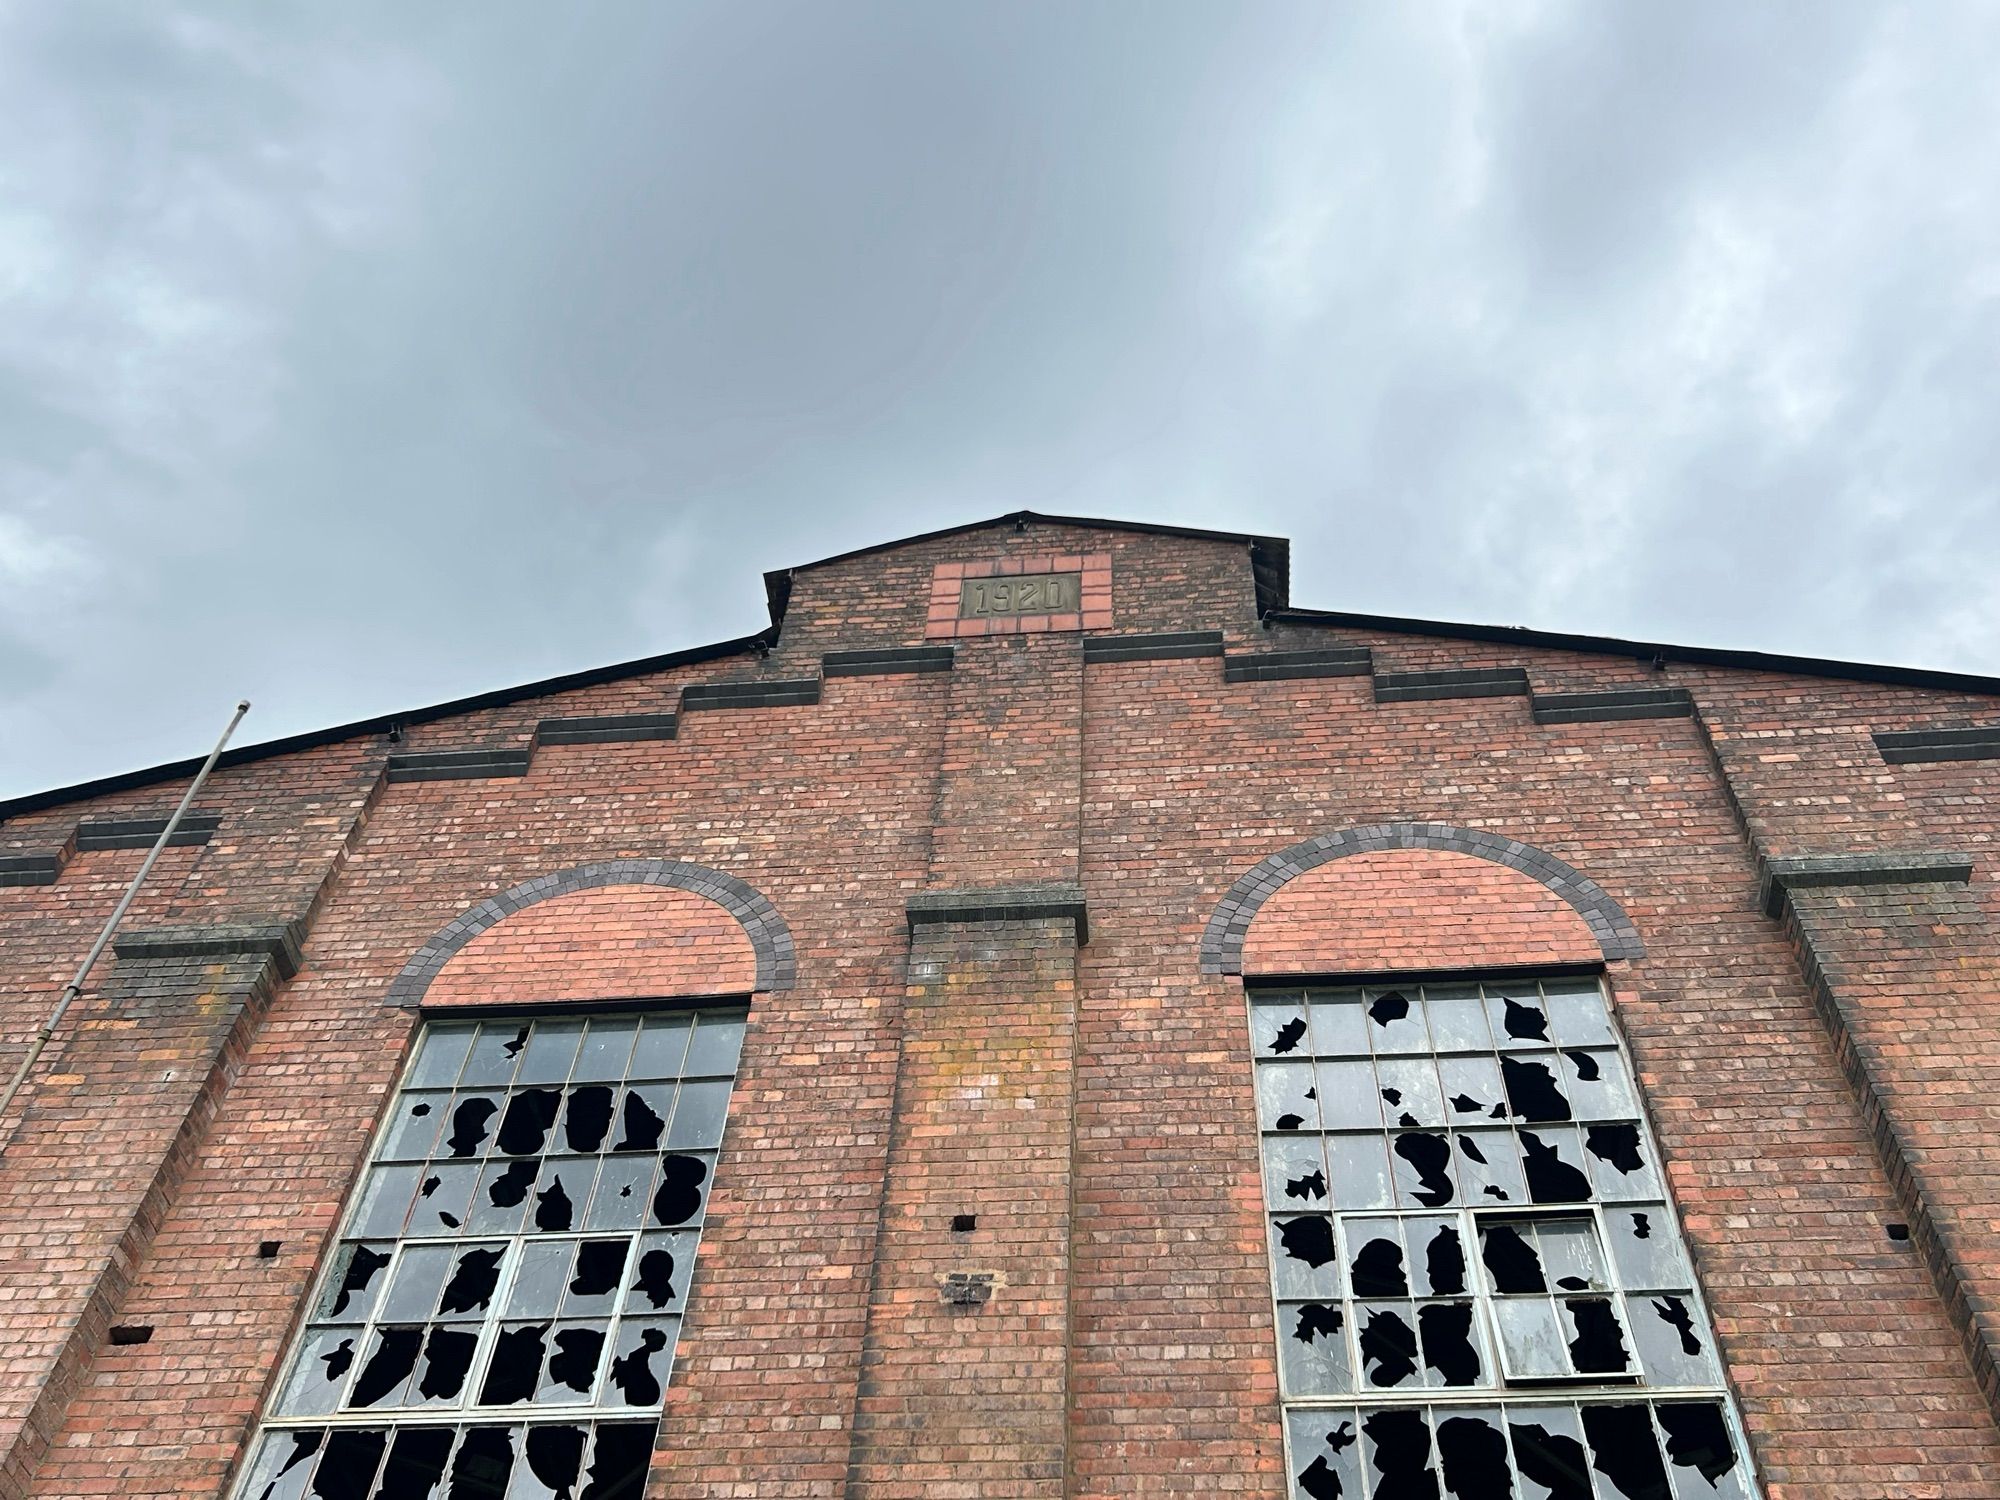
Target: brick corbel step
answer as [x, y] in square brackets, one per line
[460, 765]
[749, 693]
[606, 729]
[43, 867]
[1620, 703]
[1779, 877]
[887, 661]
[1163, 646]
[1008, 903]
[1903, 747]
[38, 868]
[1466, 682]
[142, 833]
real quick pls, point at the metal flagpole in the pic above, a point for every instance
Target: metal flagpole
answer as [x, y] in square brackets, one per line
[75, 986]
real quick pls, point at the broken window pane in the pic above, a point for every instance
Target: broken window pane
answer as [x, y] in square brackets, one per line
[1409, 1090]
[1312, 1348]
[1295, 1172]
[551, 1051]
[1287, 1098]
[550, 1140]
[1326, 1453]
[1396, 1021]
[1307, 1264]
[320, 1367]
[659, 1274]
[444, 1199]
[1435, 1106]
[495, 1054]
[414, 1126]
[1278, 1028]
[1645, 1242]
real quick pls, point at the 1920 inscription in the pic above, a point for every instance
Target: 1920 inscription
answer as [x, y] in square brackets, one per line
[1023, 594]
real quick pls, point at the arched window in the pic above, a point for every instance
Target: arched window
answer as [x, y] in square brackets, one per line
[498, 1318]
[1480, 1282]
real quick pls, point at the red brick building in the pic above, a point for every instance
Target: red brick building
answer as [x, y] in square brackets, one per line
[1172, 1043]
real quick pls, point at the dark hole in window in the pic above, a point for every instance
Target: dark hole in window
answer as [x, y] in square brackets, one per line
[131, 1333]
[268, 1249]
[1897, 1232]
[964, 1223]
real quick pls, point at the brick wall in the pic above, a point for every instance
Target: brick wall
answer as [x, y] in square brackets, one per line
[1815, 1067]
[614, 943]
[1413, 909]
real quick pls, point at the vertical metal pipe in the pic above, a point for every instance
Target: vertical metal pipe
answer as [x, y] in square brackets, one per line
[75, 986]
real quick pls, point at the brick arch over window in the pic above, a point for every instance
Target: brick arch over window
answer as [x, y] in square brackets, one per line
[771, 961]
[1603, 923]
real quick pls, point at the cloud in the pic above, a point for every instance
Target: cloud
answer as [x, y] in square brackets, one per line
[366, 357]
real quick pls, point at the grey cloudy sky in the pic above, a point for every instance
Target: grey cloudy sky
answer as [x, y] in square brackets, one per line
[359, 357]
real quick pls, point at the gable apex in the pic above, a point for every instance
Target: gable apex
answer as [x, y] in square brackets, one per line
[1270, 556]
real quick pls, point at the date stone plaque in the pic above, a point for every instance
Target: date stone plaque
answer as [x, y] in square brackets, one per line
[1022, 594]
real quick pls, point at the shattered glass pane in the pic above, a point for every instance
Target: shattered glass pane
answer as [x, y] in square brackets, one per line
[414, 1125]
[554, 1140]
[550, 1052]
[1396, 1021]
[1312, 1348]
[1307, 1263]
[1286, 1097]
[619, 1199]
[1295, 1172]
[1673, 1349]
[659, 1274]
[639, 1365]
[1516, 1015]
[444, 1199]
[1409, 1091]
[1278, 1028]
[319, 1372]
[495, 1054]
[1645, 1244]
[1326, 1454]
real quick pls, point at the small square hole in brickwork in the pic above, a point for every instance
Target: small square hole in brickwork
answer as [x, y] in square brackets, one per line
[131, 1333]
[964, 1223]
[1897, 1232]
[268, 1249]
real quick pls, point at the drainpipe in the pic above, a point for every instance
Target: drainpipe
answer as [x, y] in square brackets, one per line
[75, 986]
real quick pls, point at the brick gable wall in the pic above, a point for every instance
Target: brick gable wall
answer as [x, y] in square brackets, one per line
[1812, 1074]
